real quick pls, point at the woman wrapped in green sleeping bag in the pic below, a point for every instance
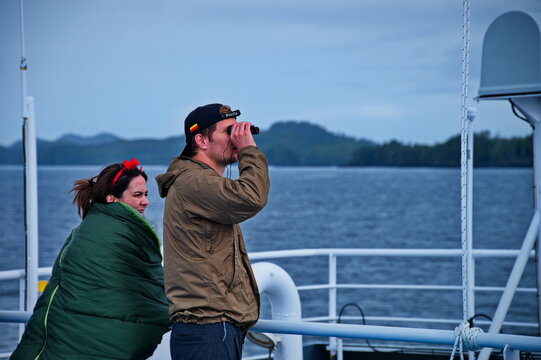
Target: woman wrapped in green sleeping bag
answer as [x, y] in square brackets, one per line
[105, 298]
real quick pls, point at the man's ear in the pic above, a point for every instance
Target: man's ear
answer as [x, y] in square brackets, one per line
[201, 141]
[110, 198]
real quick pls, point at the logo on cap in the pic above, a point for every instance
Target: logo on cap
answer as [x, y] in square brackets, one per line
[194, 127]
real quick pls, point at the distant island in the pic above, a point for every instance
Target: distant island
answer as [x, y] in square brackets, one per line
[290, 143]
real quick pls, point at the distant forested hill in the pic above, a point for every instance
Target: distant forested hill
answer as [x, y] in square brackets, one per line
[288, 143]
[488, 151]
[285, 143]
[96, 150]
[302, 143]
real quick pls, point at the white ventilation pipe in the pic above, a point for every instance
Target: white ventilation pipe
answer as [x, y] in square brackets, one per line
[277, 285]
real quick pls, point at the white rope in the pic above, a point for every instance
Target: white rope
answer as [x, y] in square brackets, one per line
[466, 339]
[464, 153]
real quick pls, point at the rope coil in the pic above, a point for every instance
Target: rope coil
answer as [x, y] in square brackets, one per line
[465, 339]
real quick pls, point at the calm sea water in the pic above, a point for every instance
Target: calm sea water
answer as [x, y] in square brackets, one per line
[330, 208]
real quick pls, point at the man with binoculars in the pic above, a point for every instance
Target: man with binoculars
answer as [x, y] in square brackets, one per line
[212, 292]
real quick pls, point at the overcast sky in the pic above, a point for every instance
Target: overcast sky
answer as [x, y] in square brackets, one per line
[375, 69]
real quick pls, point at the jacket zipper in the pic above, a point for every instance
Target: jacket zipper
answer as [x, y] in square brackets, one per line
[52, 296]
[45, 321]
[236, 239]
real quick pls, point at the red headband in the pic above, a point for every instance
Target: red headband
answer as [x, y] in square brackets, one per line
[126, 165]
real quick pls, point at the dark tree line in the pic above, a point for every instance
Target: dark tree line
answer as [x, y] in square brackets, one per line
[488, 152]
[290, 143]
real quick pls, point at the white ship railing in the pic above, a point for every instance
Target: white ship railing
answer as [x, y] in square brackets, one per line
[430, 336]
[391, 333]
[333, 286]
[331, 330]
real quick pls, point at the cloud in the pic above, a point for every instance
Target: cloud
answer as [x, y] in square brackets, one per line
[102, 65]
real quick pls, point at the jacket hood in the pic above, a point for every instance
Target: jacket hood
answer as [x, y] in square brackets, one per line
[178, 165]
[167, 179]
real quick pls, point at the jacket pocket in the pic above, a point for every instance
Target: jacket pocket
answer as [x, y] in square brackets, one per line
[239, 272]
[226, 260]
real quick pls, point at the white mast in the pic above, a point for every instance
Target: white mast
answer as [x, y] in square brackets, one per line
[30, 182]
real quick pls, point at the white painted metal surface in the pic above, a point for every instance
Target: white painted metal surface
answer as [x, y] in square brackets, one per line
[332, 297]
[510, 354]
[517, 78]
[427, 336]
[336, 254]
[450, 253]
[512, 283]
[470, 264]
[511, 56]
[30, 181]
[531, 109]
[276, 284]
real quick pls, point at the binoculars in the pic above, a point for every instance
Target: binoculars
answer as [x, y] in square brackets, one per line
[253, 129]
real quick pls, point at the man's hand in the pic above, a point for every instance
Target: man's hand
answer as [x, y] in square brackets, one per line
[241, 136]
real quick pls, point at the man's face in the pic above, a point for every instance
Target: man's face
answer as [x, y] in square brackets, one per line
[220, 148]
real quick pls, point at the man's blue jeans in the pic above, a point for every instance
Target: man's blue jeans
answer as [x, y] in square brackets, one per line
[206, 342]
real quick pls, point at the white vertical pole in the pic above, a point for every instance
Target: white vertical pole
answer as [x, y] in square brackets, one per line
[537, 188]
[30, 182]
[469, 233]
[510, 354]
[340, 350]
[22, 302]
[31, 206]
[332, 297]
[470, 264]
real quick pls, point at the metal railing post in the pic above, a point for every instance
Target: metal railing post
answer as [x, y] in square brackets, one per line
[510, 354]
[537, 196]
[21, 304]
[332, 296]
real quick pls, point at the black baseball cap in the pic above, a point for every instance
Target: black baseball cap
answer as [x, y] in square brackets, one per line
[204, 117]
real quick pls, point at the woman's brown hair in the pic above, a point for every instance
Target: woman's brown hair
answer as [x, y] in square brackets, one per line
[96, 188]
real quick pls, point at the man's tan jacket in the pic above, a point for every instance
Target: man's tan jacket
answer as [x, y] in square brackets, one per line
[208, 277]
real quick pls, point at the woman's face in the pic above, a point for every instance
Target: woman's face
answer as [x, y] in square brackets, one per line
[136, 194]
